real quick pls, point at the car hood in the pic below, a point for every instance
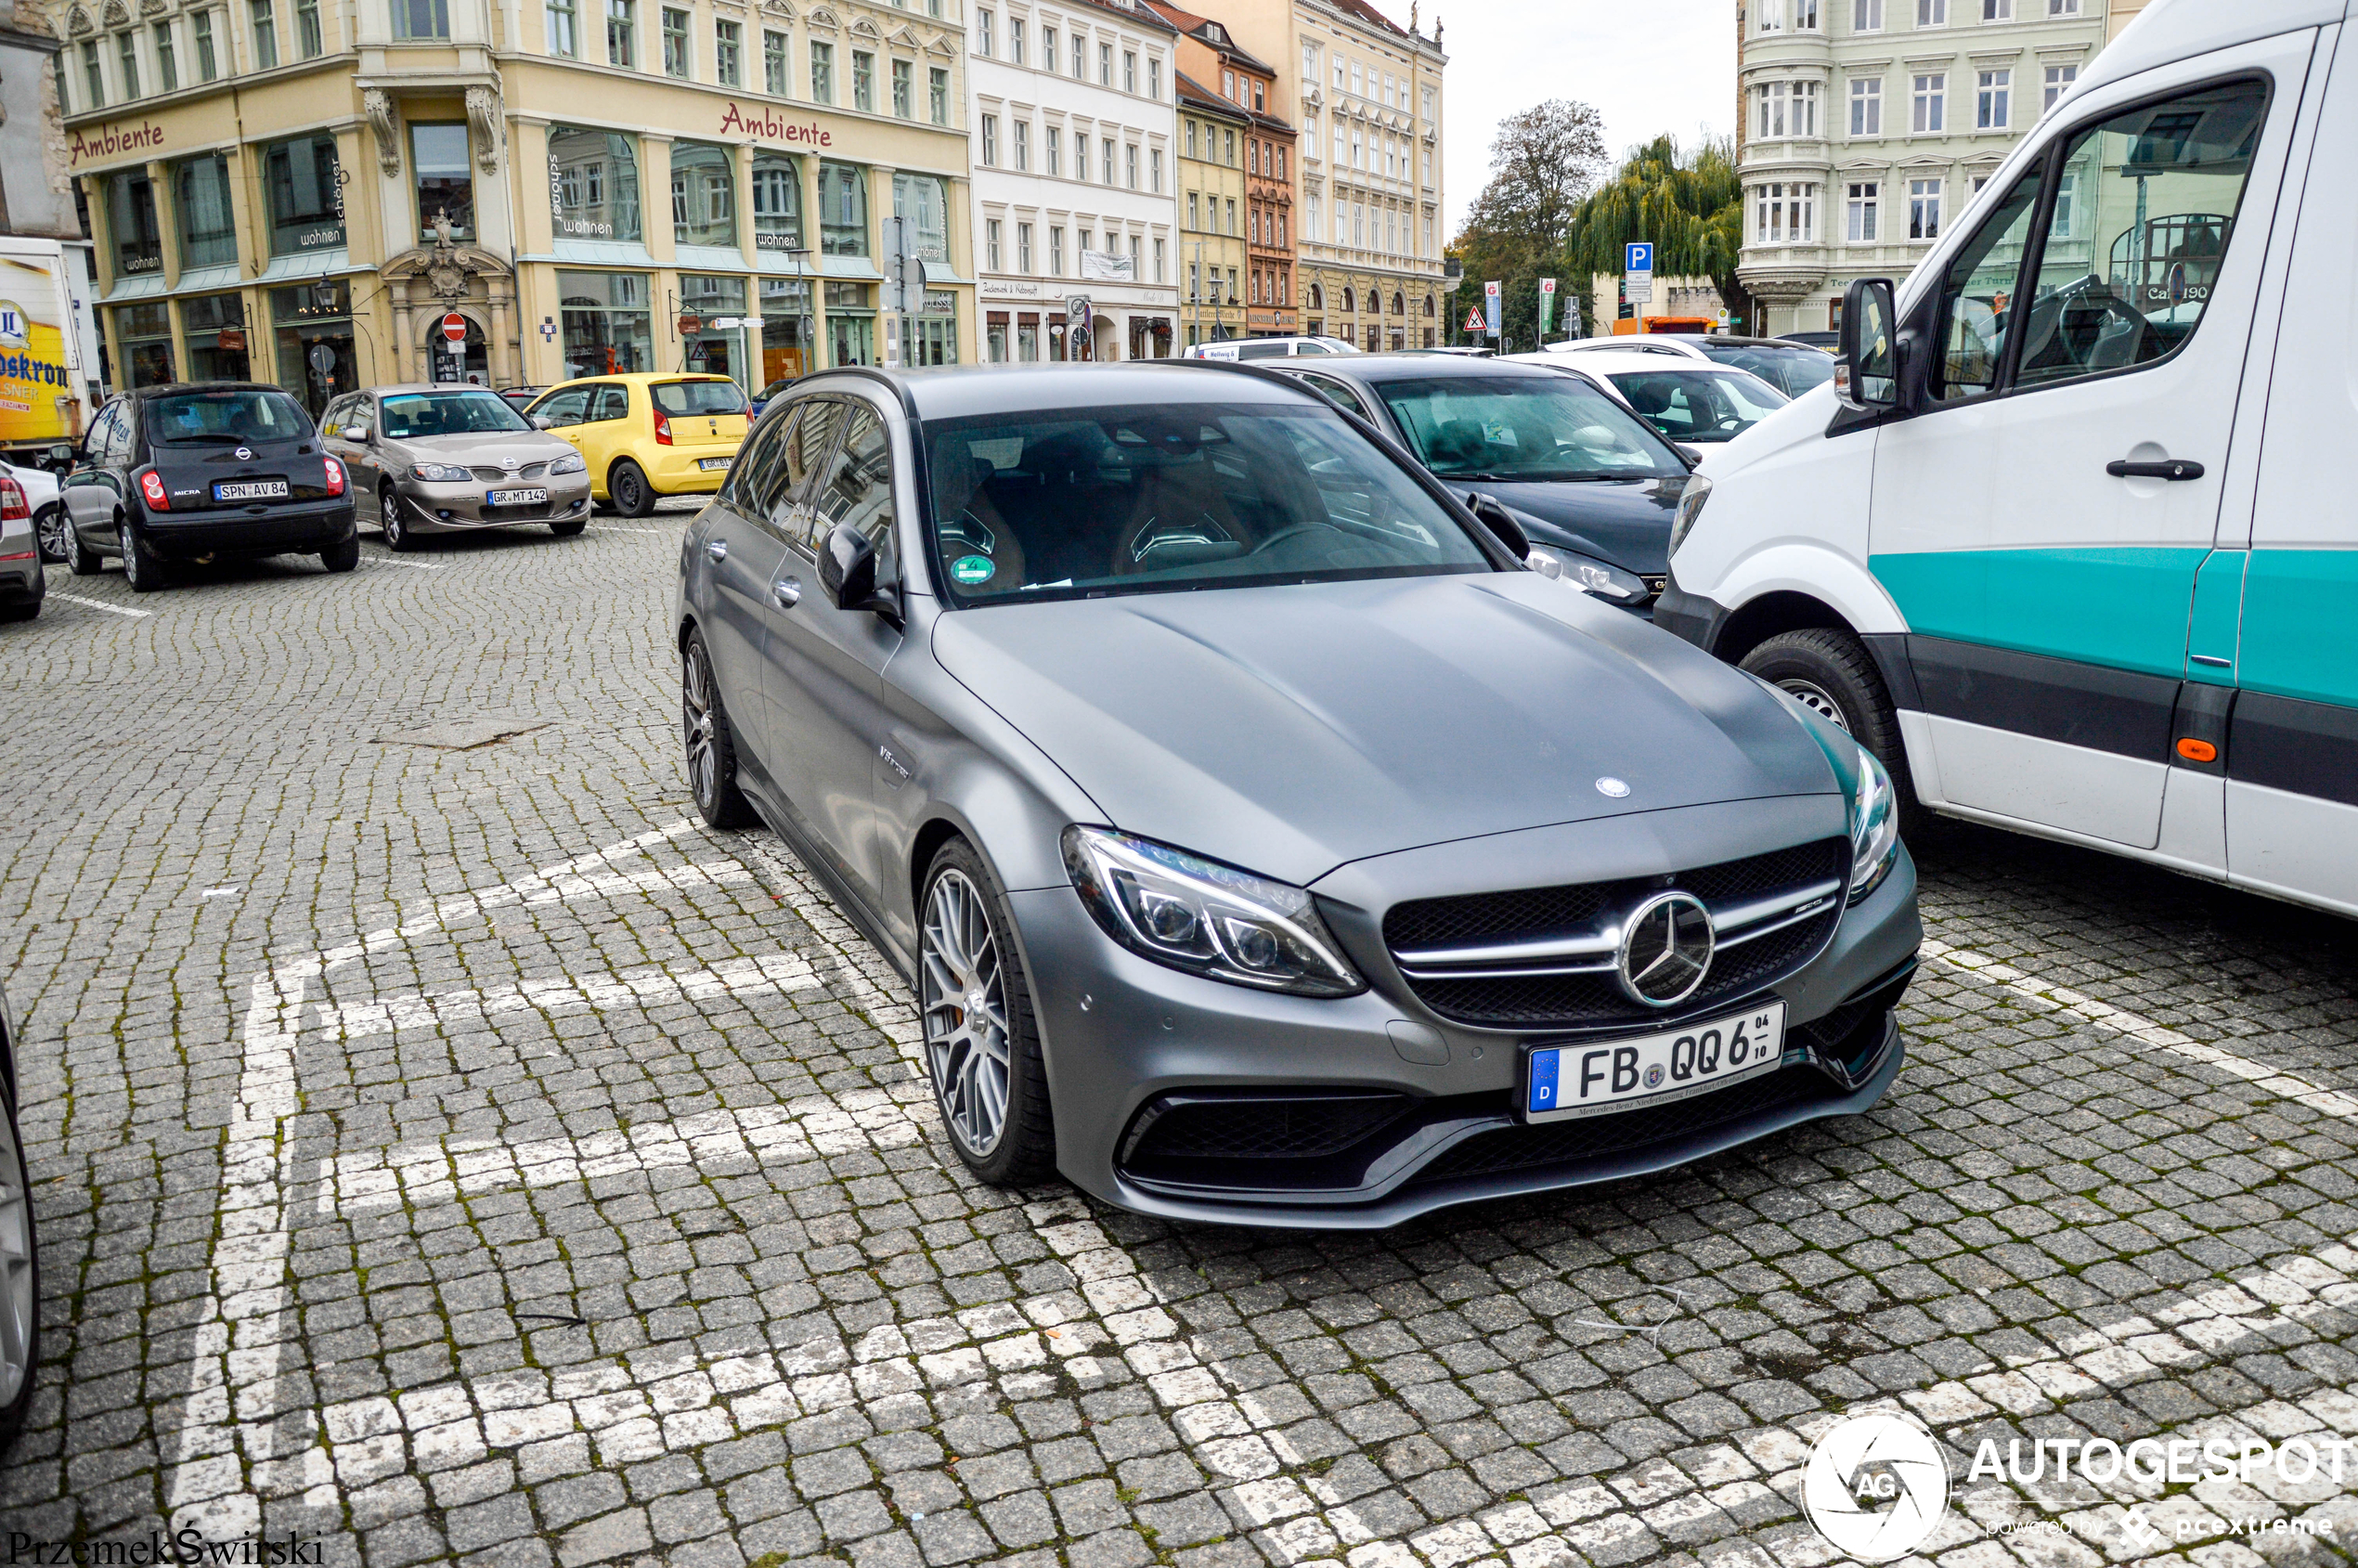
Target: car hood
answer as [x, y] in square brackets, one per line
[1626, 521]
[1804, 419]
[485, 448]
[1289, 730]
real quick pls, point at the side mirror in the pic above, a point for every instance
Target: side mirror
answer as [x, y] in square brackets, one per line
[359, 433]
[1502, 522]
[848, 573]
[62, 452]
[539, 422]
[1866, 361]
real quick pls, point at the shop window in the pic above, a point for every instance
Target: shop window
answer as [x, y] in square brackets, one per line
[266, 35]
[787, 329]
[445, 180]
[728, 53]
[933, 336]
[607, 327]
[143, 334]
[213, 328]
[131, 224]
[622, 33]
[208, 230]
[593, 184]
[714, 350]
[843, 211]
[308, 316]
[704, 205]
[919, 201]
[852, 325]
[777, 202]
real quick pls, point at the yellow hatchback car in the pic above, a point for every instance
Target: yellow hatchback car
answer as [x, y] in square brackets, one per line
[646, 436]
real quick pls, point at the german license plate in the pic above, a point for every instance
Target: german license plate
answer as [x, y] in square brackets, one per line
[516, 498]
[712, 462]
[1588, 1077]
[251, 490]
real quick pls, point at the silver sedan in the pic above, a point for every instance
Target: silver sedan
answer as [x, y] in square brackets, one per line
[436, 459]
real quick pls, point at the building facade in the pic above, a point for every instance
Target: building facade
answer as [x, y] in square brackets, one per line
[1870, 124]
[1074, 150]
[1244, 89]
[1213, 134]
[303, 193]
[1365, 96]
[35, 196]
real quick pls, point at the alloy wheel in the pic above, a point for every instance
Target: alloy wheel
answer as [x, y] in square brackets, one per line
[130, 556]
[698, 723]
[389, 511]
[54, 531]
[1817, 699]
[963, 998]
[20, 1307]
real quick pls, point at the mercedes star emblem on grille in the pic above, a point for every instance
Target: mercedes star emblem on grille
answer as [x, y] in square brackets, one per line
[1665, 949]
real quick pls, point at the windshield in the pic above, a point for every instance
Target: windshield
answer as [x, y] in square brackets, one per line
[1534, 427]
[1791, 370]
[698, 398]
[1087, 502]
[1699, 404]
[226, 418]
[414, 416]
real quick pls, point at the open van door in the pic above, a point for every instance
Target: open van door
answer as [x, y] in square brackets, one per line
[2050, 483]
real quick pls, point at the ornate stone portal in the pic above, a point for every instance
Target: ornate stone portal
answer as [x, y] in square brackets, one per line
[429, 281]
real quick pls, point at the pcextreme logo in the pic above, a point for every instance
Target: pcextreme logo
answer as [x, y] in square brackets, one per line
[1876, 1485]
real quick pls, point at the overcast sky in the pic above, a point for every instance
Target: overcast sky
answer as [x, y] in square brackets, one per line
[1646, 65]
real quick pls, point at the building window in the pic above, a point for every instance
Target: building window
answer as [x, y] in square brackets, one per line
[593, 184]
[905, 89]
[983, 32]
[1129, 70]
[444, 182]
[1997, 10]
[608, 328]
[1192, 215]
[1023, 249]
[1054, 147]
[1805, 16]
[1928, 107]
[266, 35]
[1153, 170]
[1991, 91]
[1105, 65]
[1130, 164]
[773, 64]
[208, 61]
[704, 195]
[822, 72]
[1784, 214]
[1772, 15]
[126, 49]
[1923, 209]
[843, 210]
[131, 224]
[1048, 49]
[1309, 61]
[939, 101]
[1866, 107]
[990, 141]
[1859, 228]
[1866, 16]
[1014, 40]
[1160, 259]
[1080, 57]
[1105, 162]
[564, 27]
[416, 19]
[1931, 13]
[777, 203]
[1023, 145]
[675, 43]
[310, 45]
[2063, 7]
[864, 81]
[1055, 252]
[990, 228]
[93, 80]
[622, 33]
[1154, 78]
[923, 203]
[307, 200]
[2067, 196]
[167, 61]
[728, 53]
[2059, 81]
[1231, 227]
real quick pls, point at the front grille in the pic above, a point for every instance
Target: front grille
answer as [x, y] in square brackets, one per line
[1574, 996]
[1302, 1129]
[1519, 1148]
[503, 476]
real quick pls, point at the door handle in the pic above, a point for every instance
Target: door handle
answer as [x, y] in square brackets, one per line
[2168, 467]
[787, 591]
[718, 549]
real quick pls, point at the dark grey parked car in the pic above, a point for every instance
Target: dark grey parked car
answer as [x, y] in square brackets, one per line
[1265, 843]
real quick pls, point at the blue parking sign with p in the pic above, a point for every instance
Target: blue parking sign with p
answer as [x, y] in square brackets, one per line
[1640, 257]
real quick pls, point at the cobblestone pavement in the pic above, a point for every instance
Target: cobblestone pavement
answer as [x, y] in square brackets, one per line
[461, 1155]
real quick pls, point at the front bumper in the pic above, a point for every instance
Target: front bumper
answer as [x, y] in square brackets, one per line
[288, 530]
[1127, 1040]
[436, 507]
[1690, 616]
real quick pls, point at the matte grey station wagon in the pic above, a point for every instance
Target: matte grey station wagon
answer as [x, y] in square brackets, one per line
[1265, 843]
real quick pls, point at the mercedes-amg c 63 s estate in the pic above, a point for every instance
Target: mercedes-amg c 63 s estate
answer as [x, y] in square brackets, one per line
[1265, 842]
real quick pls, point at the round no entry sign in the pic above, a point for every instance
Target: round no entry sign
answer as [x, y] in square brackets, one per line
[454, 327]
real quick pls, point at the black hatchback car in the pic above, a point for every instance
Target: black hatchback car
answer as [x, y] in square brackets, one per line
[179, 474]
[1591, 485]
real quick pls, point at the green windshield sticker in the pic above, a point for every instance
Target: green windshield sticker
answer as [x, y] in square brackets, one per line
[973, 568]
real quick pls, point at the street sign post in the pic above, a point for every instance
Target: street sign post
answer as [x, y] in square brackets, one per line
[1490, 307]
[1638, 264]
[1080, 338]
[1546, 306]
[454, 327]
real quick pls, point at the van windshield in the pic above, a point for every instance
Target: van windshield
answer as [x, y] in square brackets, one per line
[226, 418]
[698, 398]
[1535, 428]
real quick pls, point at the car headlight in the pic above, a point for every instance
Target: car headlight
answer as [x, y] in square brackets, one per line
[1690, 501]
[1875, 827]
[440, 473]
[570, 463]
[1588, 574]
[1204, 917]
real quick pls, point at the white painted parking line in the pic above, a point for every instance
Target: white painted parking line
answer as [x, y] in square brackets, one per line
[2291, 1086]
[612, 529]
[774, 974]
[97, 604]
[389, 561]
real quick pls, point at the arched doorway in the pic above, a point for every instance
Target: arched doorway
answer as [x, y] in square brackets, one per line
[471, 361]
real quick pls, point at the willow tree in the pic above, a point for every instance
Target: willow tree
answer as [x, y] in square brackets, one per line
[1689, 202]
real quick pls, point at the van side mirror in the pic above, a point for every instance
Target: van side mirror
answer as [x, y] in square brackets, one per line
[1866, 361]
[1502, 522]
[847, 574]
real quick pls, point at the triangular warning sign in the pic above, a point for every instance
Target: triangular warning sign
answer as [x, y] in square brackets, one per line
[1476, 321]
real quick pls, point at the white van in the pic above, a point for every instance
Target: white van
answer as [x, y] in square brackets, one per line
[2056, 544]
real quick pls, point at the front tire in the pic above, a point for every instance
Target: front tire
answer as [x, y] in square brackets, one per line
[633, 497]
[54, 531]
[1831, 673]
[142, 568]
[398, 534]
[981, 1043]
[711, 744]
[20, 1281]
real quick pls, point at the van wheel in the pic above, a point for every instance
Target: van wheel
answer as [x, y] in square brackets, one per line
[142, 568]
[1832, 674]
[981, 1044]
[633, 497]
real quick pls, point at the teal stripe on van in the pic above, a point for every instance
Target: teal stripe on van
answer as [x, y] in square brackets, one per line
[2300, 625]
[2121, 608]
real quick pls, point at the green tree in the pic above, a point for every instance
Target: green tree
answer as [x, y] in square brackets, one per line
[1687, 201]
[1542, 165]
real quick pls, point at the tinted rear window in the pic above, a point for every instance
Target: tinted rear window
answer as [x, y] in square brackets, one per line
[698, 398]
[225, 417]
[1791, 370]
